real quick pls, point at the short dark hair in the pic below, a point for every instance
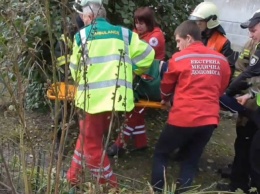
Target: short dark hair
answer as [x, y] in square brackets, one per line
[188, 27]
[146, 15]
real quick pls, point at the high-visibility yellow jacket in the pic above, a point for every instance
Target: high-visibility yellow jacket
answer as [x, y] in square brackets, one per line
[258, 99]
[62, 56]
[103, 61]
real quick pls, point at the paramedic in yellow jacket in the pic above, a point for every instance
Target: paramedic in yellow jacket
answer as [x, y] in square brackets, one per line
[103, 62]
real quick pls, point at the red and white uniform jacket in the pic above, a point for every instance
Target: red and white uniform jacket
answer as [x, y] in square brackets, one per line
[197, 76]
[156, 40]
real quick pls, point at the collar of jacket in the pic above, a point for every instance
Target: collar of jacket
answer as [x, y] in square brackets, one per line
[142, 36]
[195, 43]
[100, 20]
[206, 34]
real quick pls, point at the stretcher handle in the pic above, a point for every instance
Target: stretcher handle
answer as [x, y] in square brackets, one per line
[61, 87]
[149, 104]
[52, 95]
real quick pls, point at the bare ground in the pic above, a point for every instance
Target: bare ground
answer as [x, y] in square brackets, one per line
[134, 168]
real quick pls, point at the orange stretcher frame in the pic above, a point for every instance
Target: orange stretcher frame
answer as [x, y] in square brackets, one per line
[71, 91]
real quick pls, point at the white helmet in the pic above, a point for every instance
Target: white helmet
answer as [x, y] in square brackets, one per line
[82, 3]
[207, 11]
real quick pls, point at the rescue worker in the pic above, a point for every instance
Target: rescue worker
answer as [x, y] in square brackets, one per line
[197, 76]
[206, 15]
[145, 26]
[241, 82]
[245, 130]
[102, 64]
[148, 30]
[245, 173]
[253, 70]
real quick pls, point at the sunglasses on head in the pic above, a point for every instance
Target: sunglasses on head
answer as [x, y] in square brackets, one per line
[78, 8]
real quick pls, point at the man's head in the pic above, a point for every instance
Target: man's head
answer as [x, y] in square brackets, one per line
[90, 10]
[205, 15]
[79, 4]
[253, 25]
[186, 33]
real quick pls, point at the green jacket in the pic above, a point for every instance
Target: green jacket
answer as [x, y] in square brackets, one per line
[102, 63]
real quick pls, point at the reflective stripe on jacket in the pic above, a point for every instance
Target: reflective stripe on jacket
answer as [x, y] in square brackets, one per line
[156, 39]
[243, 62]
[197, 76]
[243, 59]
[110, 56]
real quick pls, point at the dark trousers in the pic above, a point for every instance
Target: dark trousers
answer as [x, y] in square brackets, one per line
[254, 159]
[246, 165]
[240, 174]
[174, 137]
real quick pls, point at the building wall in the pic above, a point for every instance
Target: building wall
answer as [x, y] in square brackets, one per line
[232, 13]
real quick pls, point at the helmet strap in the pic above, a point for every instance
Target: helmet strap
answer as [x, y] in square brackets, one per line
[211, 17]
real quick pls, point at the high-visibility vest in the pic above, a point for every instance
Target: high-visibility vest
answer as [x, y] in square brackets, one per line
[258, 99]
[217, 41]
[63, 58]
[102, 64]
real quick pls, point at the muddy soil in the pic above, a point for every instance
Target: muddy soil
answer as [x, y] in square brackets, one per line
[134, 168]
[218, 153]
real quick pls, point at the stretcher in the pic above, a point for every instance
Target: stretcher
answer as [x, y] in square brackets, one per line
[58, 91]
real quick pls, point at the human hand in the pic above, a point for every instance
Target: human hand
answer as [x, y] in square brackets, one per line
[166, 104]
[243, 99]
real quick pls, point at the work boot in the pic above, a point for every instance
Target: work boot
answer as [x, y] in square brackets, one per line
[115, 150]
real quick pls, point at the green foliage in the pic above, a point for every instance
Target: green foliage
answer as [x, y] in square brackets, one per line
[24, 40]
[24, 37]
[35, 96]
[169, 14]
